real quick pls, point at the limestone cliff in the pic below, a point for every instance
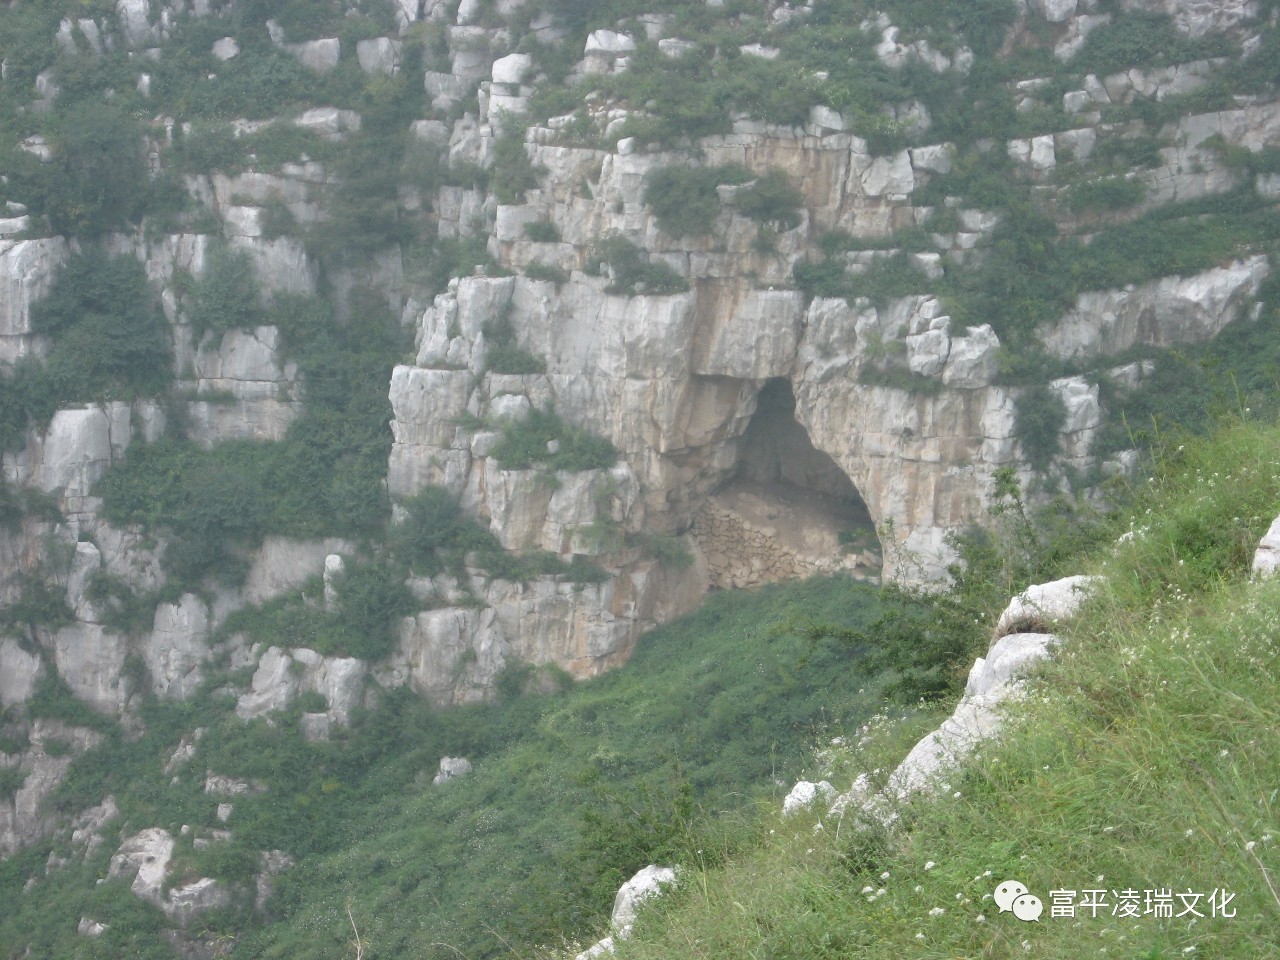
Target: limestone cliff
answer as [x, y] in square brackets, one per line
[767, 431]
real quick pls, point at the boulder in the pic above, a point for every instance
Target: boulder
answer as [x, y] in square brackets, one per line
[1007, 657]
[177, 647]
[512, 68]
[226, 48]
[608, 43]
[805, 794]
[451, 768]
[1044, 604]
[1266, 559]
[647, 883]
[144, 857]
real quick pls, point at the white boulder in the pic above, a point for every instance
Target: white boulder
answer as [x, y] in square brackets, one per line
[451, 767]
[805, 794]
[1046, 603]
[1266, 560]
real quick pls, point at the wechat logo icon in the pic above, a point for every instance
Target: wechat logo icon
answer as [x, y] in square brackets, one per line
[1013, 897]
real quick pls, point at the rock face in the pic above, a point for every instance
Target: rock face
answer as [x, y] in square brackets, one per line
[27, 269]
[1163, 313]
[145, 857]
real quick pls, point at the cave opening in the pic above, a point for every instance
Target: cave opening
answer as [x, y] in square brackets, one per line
[788, 511]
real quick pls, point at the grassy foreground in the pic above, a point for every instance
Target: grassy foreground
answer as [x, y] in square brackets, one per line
[1144, 763]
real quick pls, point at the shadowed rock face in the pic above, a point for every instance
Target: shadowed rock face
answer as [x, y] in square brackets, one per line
[788, 511]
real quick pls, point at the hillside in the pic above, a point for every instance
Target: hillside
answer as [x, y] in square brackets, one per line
[1139, 769]
[550, 386]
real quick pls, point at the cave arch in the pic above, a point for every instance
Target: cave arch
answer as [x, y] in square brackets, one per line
[788, 510]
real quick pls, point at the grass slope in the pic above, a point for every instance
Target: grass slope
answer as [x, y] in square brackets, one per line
[1144, 758]
[571, 793]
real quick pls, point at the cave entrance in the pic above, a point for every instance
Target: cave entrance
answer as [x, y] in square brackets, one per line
[788, 511]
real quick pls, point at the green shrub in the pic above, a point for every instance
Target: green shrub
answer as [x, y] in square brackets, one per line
[684, 200]
[1041, 414]
[371, 600]
[97, 181]
[19, 502]
[632, 272]
[54, 700]
[502, 354]
[225, 297]
[1141, 39]
[436, 534]
[11, 781]
[109, 341]
[513, 172]
[1125, 153]
[41, 603]
[121, 609]
[668, 550]
[542, 231]
[527, 442]
[1111, 193]
[547, 272]
[771, 200]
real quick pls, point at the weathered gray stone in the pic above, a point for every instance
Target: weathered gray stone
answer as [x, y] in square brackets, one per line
[973, 360]
[379, 55]
[1266, 559]
[329, 122]
[1045, 604]
[144, 857]
[805, 794]
[91, 661]
[451, 768]
[1008, 657]
[608, 43]
[19, 672]
[1055, 11]
[318, 55]
[283, 564]
[1164, 312]
[647, 883]
[27, 269]
[187, 902]
[135, 22]
[177, 647]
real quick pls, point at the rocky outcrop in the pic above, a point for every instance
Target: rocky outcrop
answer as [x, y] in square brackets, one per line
[1198, 17]
[52, 747]
[993, 682]
[252, 394]
[78, 447]
[646, 884]
[144, 859]
[1162, 313]
[451, 768]
[282, 675]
